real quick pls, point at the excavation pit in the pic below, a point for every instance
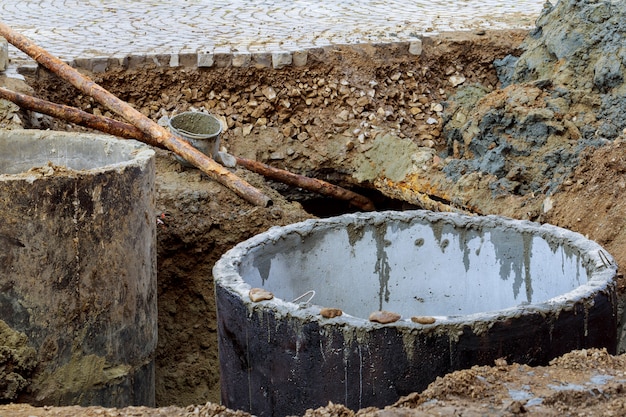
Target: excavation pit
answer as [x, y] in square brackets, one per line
[199, 220]
[495, 287]
[78, 311]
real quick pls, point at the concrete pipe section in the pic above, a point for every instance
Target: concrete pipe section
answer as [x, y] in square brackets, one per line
[78, 302]
[463, 290]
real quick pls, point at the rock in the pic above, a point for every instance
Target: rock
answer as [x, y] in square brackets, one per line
[343, 115]
[415, 47]
[384, 317]
[246, 130]
[330, 313]
[423, 319]
[259, 294]
[281, 59]
[226, 159]
[548, 204]
[456, 80]
[287, 130]
[269, 93]
[362, 101]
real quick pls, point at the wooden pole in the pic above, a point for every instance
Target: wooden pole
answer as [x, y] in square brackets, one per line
[151, 129]
[125, 130]
[77, 116]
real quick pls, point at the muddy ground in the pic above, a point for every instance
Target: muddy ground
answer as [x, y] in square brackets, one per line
[395, 127]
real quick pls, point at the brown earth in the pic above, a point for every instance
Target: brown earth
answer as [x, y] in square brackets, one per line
[331, 119]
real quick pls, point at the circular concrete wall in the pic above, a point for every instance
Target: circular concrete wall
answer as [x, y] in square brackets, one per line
[78, 268]
[494, 288]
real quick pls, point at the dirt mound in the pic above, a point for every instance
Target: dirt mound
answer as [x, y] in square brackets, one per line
[565, 93]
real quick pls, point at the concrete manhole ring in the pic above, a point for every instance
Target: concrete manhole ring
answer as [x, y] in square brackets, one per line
[468, 290]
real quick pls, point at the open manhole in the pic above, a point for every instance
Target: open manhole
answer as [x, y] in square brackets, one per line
[78, 306]
[469, 290]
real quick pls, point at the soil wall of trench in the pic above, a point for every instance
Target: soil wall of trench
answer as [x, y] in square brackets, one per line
[536, 136]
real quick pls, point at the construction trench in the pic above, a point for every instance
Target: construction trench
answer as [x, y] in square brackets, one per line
[537, 136]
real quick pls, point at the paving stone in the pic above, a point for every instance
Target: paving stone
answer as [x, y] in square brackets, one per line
[281, 59]
[216, 26]
[205, 59]
[241, 59]
[415, 47]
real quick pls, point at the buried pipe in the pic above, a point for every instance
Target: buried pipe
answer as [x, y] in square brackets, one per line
[151, 129]
[311, 184]
[127, 131]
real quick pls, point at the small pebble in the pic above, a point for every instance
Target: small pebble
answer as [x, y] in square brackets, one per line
[259, 294]
[384, 317]
[330, 313]
[500, 362]
[457, 80]
[423, 319]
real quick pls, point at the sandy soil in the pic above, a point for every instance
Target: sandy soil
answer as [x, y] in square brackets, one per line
[321, 120]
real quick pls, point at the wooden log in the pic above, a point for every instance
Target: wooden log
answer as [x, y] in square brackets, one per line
[151, 129]
[125, 130]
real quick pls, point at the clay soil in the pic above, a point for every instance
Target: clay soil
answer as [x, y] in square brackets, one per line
[317, 120]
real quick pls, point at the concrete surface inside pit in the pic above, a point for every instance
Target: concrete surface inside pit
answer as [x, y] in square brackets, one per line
[421, 265]
[23, 150]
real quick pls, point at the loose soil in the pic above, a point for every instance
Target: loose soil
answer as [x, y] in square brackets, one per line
[346, 114]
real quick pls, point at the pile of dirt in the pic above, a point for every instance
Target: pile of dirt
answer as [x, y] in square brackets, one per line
[586, 382]
[564, 94]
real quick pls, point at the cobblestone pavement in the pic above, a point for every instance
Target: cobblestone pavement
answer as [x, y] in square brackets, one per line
[74, 29]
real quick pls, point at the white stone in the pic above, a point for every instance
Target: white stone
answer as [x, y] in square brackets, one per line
[174, 60]
[281, 59]
[241, 59]
[205, 59]
[415, 47]
[300, 58]
[548, 204]
[457, 80]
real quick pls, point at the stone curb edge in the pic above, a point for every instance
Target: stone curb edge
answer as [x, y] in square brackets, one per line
[225, 58]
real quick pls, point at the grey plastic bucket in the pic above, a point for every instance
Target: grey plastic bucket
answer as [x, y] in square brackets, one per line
[201, 130]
